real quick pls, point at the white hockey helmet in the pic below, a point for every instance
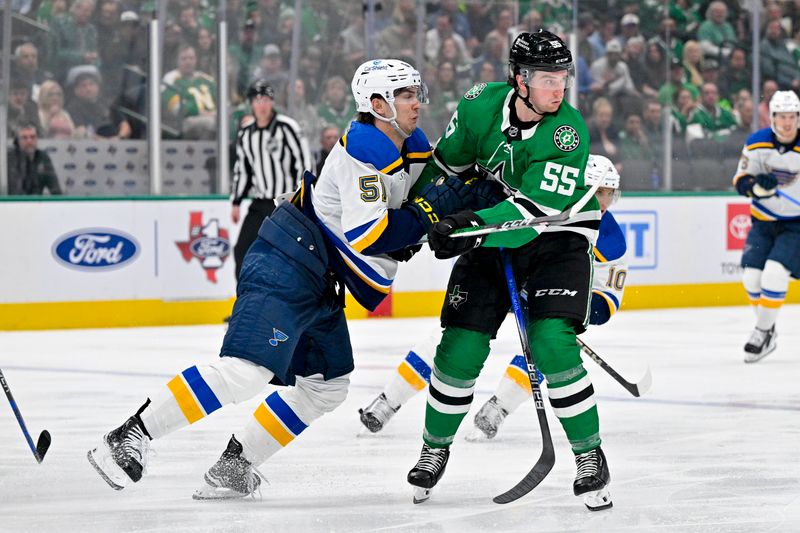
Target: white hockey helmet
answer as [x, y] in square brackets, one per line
[600, 169]
[783, 102]
[383, 77]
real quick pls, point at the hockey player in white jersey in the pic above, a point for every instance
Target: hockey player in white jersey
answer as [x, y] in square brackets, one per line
[768, 168]
[347, 228]
[608, 282]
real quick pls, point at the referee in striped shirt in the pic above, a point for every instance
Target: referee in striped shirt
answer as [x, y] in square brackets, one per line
[271, 155]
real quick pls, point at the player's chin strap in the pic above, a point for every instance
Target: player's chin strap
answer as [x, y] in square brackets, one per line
[392, 120]
[528, 103]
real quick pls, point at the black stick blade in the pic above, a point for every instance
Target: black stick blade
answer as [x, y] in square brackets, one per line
[42, 445]
[532, 479]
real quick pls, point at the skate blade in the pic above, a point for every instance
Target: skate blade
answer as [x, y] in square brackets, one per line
[476, 435]
[207, 492]
[421, 494]
[598, 500]
[756, 357]
[109, 470]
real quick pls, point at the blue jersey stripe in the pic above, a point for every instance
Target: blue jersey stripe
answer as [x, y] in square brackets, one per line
[760, 207]
[201, 390]
[356, 232]
[363, 267]
[285, 413]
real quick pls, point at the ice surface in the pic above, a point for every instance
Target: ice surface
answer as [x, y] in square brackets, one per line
[712, 446]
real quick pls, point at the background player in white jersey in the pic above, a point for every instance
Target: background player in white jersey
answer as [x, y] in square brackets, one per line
[769, 166]
[608, 282]
[288, 325]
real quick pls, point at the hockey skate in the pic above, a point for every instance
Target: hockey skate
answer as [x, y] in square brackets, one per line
[761, 344]
[377, 414]
[428, 471]
[122, 457]
[592, 480]
[487, 421]
[232, 476]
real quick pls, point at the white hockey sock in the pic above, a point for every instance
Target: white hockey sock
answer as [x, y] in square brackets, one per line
[414, 372]
[774, 284]
[284, 414]
[198, 391]
[751, 279]
[515, 386]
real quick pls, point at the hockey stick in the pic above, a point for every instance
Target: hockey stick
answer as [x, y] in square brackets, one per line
[789, 197]
[637, 389]
[548, 457]
[43, 444]
[508, 225]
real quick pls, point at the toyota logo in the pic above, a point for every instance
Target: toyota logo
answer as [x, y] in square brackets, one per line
[739, 226]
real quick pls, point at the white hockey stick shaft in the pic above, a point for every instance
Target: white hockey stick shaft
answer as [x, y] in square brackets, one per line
[510, 225]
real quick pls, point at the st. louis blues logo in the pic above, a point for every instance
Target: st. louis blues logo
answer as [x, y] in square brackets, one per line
[278, 337]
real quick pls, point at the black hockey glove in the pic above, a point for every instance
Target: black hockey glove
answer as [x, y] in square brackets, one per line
[437, 200]
[760, 186]
[486, 193]
[404, 254]
[766, 185]
[744, 185]
[444, 246]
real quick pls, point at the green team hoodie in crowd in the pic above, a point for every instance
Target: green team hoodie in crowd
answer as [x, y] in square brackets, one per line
[543, 165]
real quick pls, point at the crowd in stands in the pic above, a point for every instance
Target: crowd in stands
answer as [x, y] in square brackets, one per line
[81, 70]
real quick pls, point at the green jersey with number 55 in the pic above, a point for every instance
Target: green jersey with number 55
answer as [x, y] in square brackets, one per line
[540, 163]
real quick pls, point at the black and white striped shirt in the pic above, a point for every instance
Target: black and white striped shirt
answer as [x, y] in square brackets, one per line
[269, 161]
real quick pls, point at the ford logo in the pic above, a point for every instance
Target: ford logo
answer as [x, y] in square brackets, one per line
[95, 249]
[210, 247]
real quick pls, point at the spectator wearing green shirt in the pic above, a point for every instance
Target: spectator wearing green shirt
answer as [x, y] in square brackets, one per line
[675, 82]
[709, 120]
[736, 75]
[715, 32]
[633, 142]
[190, 96]
[777, 62]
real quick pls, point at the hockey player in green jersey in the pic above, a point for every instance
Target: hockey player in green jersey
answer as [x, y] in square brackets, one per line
[523, 135]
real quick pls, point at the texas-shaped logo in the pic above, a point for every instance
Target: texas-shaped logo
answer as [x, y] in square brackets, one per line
[208, 243]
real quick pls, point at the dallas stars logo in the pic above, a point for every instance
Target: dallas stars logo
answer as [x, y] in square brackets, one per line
[457, 297]
[475, 91]
[566, 138]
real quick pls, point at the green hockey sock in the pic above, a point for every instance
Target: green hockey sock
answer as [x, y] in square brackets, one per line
[458, 362]
[569, 388]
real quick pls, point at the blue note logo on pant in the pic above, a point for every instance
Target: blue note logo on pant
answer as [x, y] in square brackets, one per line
[277, 337]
